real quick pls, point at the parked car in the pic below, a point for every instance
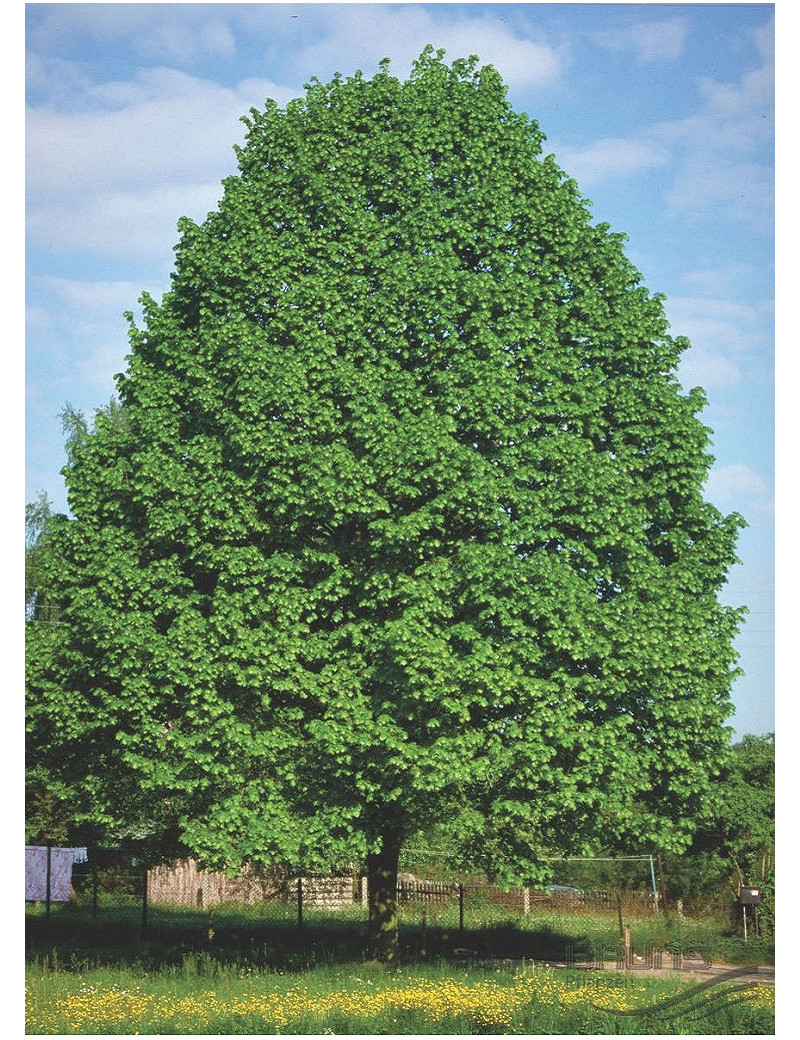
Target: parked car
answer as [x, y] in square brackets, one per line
[565, 892]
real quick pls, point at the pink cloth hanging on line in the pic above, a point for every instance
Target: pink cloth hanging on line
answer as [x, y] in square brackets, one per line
[61, 861]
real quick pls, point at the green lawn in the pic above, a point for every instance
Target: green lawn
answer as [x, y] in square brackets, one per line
[243, 971]
[202, 997]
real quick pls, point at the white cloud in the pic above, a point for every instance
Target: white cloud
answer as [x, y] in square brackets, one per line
[88, 344]
[60, 80]
[165, 32]
[133, 226]
[176, 39]
[736, 115]
[648, 42]
[725, 149]
[713, 185]
[609, 157]
[730, 485]
[712, 371]
[114, 181]
[164, 125]
[403, 31]
[723, 323]
[345, 35]
[36, 318]
[520, 62]
[728, 279]
[85, 296]
[720, 157]
[725, 335]
[111, 170]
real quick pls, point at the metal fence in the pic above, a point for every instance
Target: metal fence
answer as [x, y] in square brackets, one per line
[109, 884]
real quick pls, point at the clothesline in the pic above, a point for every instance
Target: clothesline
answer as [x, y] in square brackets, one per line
[48, 872]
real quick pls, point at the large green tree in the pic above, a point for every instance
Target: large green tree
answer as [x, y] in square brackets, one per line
[405, 521]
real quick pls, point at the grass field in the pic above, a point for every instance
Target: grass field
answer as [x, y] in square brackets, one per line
[240, 972]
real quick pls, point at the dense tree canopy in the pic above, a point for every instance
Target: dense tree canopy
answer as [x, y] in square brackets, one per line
[402, 517]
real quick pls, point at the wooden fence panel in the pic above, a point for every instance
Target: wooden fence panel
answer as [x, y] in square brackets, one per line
[184, 884]
[426, 891]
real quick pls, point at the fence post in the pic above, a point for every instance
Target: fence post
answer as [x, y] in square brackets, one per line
[94, 884]
[47, 884]
[460, 907]
[144, 897]
[655, 890]
[661, 886]
[299, 902]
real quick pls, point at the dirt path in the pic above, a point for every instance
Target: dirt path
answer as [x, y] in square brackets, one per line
[693, 971]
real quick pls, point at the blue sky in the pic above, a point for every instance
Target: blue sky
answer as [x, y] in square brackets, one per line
[663, 113]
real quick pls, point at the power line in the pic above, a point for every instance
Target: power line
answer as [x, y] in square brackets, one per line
[592, 859]
[551, 859]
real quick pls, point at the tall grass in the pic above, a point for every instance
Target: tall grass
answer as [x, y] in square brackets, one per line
[202, 996]
[251, 970]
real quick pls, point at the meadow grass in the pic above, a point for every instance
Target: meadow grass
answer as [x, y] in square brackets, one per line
[244, 970]
[364, 999]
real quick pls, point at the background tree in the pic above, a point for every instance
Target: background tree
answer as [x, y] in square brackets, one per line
[746, 810]
[405, 520]
[44, 797]
[58, 803]
[37, 517]
[735, 844]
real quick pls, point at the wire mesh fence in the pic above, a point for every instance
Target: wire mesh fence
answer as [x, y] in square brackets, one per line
[110, 885]
[112, 906]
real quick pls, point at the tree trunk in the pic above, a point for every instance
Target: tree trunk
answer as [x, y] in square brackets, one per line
[382, 900]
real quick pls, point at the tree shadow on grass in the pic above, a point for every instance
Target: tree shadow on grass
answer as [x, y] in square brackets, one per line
[493, 942]
[71, 940]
